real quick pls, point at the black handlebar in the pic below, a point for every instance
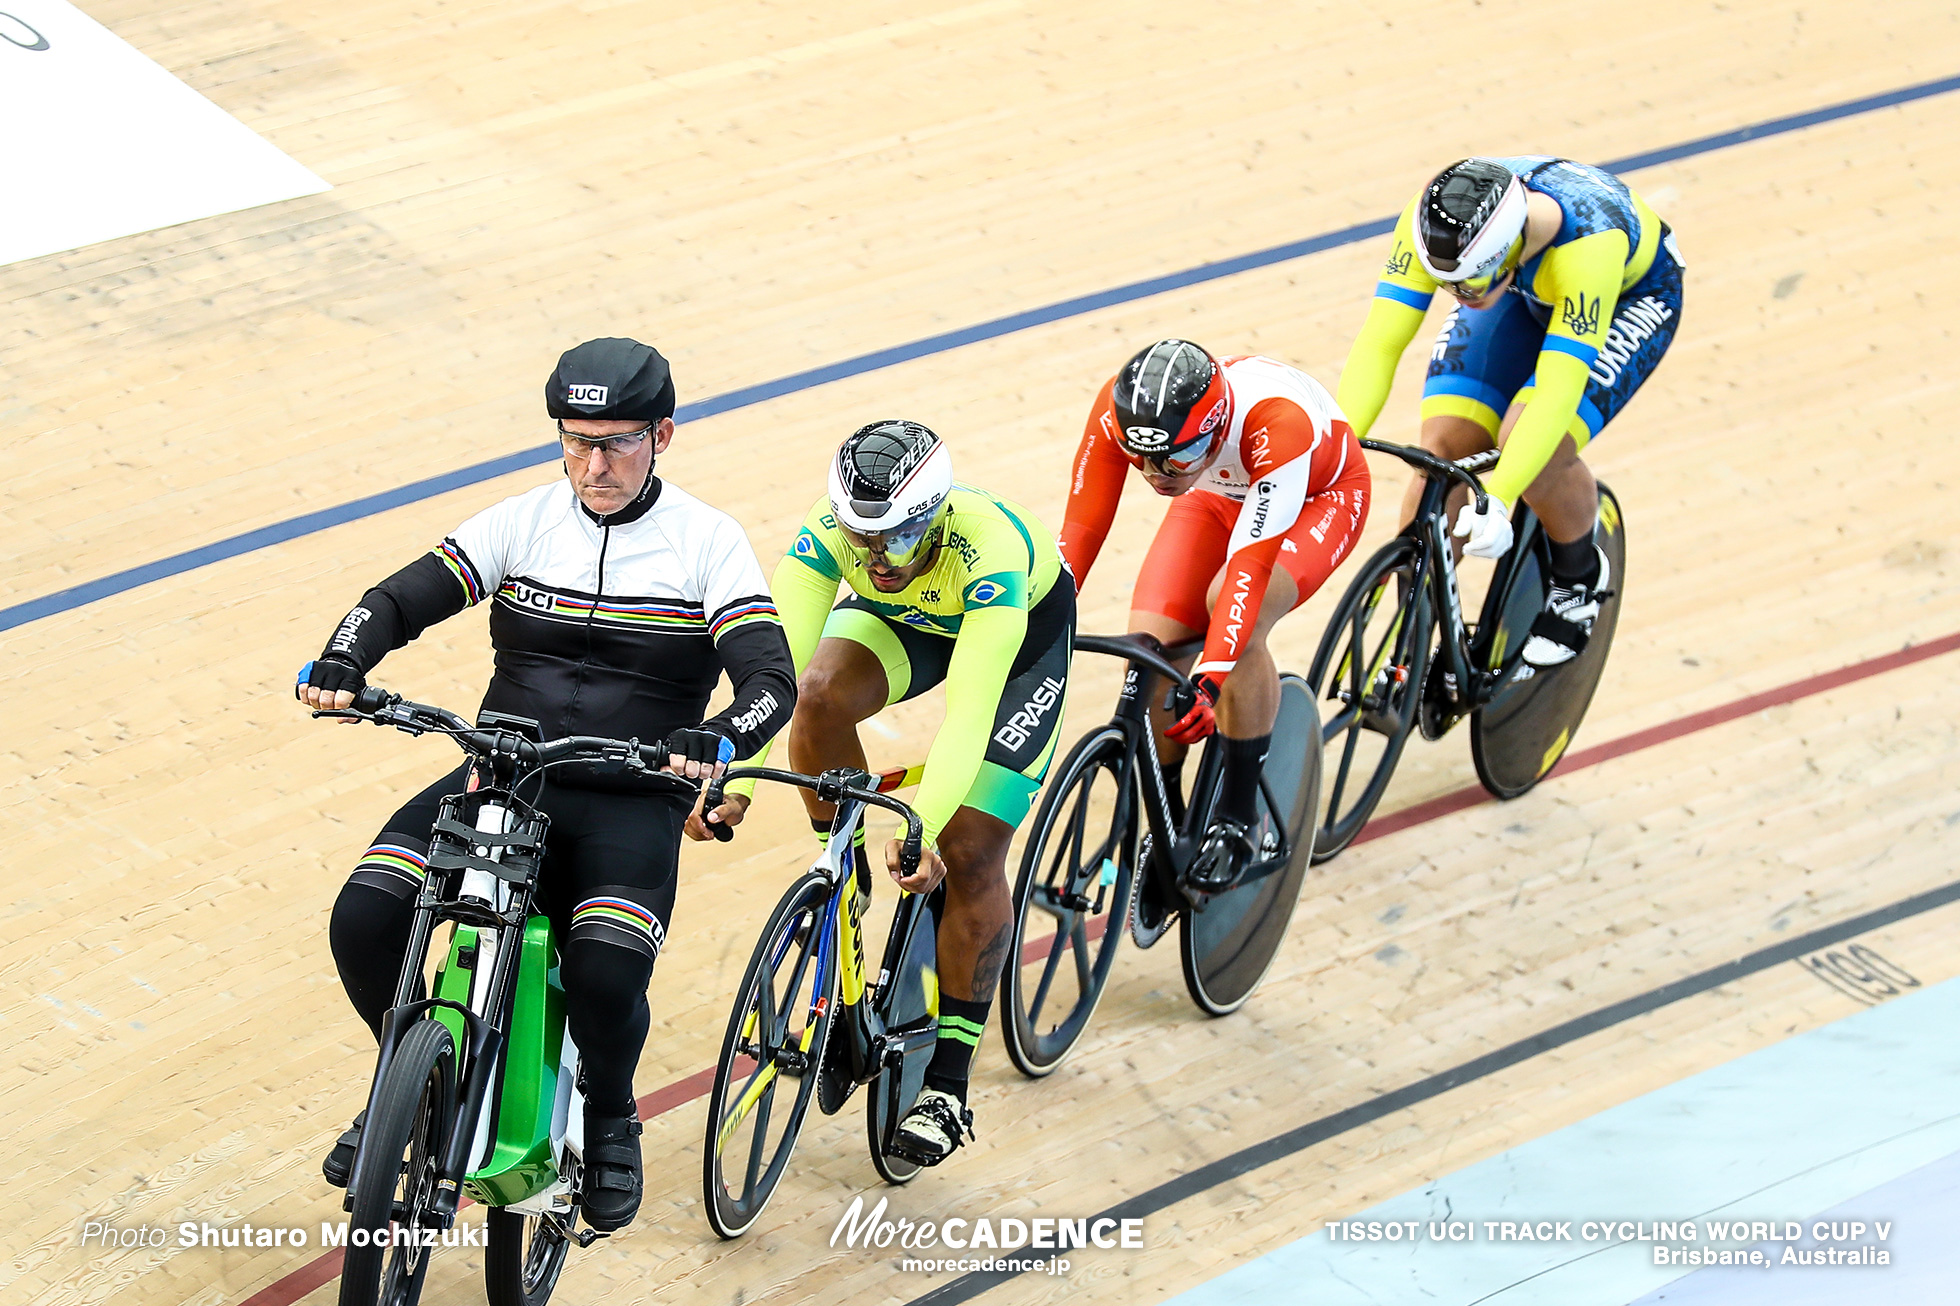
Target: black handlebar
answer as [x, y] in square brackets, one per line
[1464, 470]
[831, 787]
[1141, 649]
[385, 709]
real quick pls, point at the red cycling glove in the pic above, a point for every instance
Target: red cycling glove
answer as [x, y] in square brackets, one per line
[1198, 722]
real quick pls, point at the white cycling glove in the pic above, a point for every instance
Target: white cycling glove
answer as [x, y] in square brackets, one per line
[1485, 534]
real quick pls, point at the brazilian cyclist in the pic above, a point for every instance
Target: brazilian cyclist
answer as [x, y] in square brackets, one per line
[617, 600]
[1568, 292]
[1268, 494]
[942, 582]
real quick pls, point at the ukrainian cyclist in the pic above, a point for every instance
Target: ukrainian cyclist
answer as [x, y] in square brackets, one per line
[943, 582]
[1268, 493]
[1568, 292]
[617, 600]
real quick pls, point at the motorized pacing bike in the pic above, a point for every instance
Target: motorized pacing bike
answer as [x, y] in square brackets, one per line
[810, 1022]
[475, 1089]
[1397, 656]
[1105, 835]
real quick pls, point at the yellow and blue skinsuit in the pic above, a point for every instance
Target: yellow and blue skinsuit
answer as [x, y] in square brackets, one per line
[1580, 328]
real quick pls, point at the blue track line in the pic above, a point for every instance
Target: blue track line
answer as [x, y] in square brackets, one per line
[279, 532]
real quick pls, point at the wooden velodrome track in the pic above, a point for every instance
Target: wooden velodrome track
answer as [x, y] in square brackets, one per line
[763, 188]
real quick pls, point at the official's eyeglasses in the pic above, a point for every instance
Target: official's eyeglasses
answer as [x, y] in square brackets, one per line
[612, 446]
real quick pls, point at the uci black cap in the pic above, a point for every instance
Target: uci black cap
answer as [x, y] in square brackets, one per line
[612, 379]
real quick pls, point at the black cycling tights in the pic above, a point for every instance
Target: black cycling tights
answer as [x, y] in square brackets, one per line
[608, 886]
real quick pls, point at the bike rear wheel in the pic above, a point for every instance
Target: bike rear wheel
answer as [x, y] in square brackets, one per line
[1229, 943]
[1076, 871]
[908, 1003]
[1520, 735]
[394, 1181]
[777, 1030]
[523, 1259]
[1371, 662]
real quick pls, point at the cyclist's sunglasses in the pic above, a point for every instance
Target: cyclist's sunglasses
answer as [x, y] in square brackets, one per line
[612, 446]
[1182, 462]
[1478, 287]
[899, 547]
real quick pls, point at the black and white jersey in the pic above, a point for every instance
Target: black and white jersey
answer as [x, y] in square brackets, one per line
[617, 626]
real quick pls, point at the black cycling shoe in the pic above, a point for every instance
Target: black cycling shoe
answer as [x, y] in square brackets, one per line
[339, 1165]
[1229, 850]
[611, 1195]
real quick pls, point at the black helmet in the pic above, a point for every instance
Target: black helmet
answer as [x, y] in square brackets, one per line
[1169, 398]
[1470, 221]
[610, 379]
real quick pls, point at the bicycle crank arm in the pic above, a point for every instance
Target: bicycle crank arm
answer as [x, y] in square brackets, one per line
[583, 1237]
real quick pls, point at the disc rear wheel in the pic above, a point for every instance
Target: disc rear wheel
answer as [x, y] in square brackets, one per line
[1228, 940]
[1520, 735]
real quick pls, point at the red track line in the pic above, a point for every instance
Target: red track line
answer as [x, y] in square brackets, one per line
[325, 1268]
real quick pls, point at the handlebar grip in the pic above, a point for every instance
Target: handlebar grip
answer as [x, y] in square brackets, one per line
[711, 798]
[372, 700]
[912, 851]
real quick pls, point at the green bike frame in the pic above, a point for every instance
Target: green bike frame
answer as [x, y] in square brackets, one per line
[533, 1085]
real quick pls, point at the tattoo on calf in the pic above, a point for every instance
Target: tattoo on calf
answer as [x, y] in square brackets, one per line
[987, 965]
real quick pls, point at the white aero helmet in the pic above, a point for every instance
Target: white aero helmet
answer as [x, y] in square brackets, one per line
[888, 487]
[1470, 221]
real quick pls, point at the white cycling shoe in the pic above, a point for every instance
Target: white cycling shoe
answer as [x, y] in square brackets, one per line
[933, 1129]
[1560, 632]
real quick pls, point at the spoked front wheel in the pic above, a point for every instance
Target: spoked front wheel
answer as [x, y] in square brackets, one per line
[1070, 903]
[523, 1259]
[394, 1182]
[776, 1036]
[1369, 674]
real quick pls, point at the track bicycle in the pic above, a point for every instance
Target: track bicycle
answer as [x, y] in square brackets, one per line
[1392, 671]
[476, 1090]
[782, 1049]
[1104, 836]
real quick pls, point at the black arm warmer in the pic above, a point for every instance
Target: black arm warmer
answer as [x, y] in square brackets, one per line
[396, 611]
[758, 662]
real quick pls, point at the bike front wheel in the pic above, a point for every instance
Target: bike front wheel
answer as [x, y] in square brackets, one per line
[1076, 875]
[776, 1035]
[523, 1259]
[1370, 667]
[394, 1181]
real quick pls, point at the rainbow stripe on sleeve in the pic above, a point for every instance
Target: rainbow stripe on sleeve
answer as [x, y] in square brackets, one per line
[743, 612]
[451, 555]
[395, 859]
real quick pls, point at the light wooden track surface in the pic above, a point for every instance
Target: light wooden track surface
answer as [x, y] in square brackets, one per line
[761, 188]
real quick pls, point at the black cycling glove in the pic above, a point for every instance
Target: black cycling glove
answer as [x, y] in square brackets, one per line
[330, 672]
[700, 744]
